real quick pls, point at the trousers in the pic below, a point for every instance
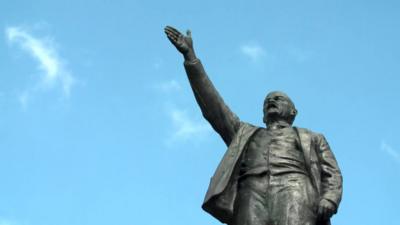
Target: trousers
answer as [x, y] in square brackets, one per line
[288, 199]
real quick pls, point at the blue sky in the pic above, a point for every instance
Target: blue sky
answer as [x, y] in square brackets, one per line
[98, 124]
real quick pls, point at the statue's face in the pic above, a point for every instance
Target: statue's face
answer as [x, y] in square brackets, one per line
[277, 105]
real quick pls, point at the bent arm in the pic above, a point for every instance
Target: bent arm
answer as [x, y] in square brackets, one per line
[213, 107]
[331, 177]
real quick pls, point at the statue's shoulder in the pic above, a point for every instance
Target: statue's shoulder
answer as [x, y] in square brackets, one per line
[304, 130]
[315, 136]
[246, 125]
[246, 129]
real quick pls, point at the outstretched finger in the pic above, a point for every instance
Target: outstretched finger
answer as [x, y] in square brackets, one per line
[171, 34]
[172, 40]
[173, 30]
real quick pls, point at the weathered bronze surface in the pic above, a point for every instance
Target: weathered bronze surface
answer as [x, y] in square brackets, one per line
[277, 175]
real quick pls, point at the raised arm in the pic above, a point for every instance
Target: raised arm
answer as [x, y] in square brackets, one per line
[214, 110]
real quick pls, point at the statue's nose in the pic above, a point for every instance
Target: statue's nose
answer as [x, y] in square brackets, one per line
[272, 102]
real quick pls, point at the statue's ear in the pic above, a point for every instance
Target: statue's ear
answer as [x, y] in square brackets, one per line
[293, 112]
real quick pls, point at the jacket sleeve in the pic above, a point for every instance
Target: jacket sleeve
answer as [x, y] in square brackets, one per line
[214, 109]
[331, 177]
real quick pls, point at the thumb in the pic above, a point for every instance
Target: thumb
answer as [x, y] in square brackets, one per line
[189, 33]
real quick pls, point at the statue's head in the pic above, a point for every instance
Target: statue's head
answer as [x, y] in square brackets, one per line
[278, 106]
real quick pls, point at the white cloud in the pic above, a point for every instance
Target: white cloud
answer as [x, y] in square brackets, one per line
[168, 86]
[390, 151]
[253, 51]
[185, 127]
[54, 73]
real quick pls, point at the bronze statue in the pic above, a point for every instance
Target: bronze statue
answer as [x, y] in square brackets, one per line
[278, 175]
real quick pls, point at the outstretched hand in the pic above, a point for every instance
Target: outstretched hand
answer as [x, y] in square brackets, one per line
[183, 43]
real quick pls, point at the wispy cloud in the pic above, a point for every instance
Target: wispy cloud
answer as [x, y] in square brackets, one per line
[390, 151]
[185, 127]
[50, 64]
[253, 51]
[168, 86]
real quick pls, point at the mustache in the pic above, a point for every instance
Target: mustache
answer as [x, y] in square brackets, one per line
[271, 105]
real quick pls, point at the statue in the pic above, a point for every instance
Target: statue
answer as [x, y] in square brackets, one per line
[277, 175]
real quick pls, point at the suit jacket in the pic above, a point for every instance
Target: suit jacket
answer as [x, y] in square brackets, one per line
[219, 201]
